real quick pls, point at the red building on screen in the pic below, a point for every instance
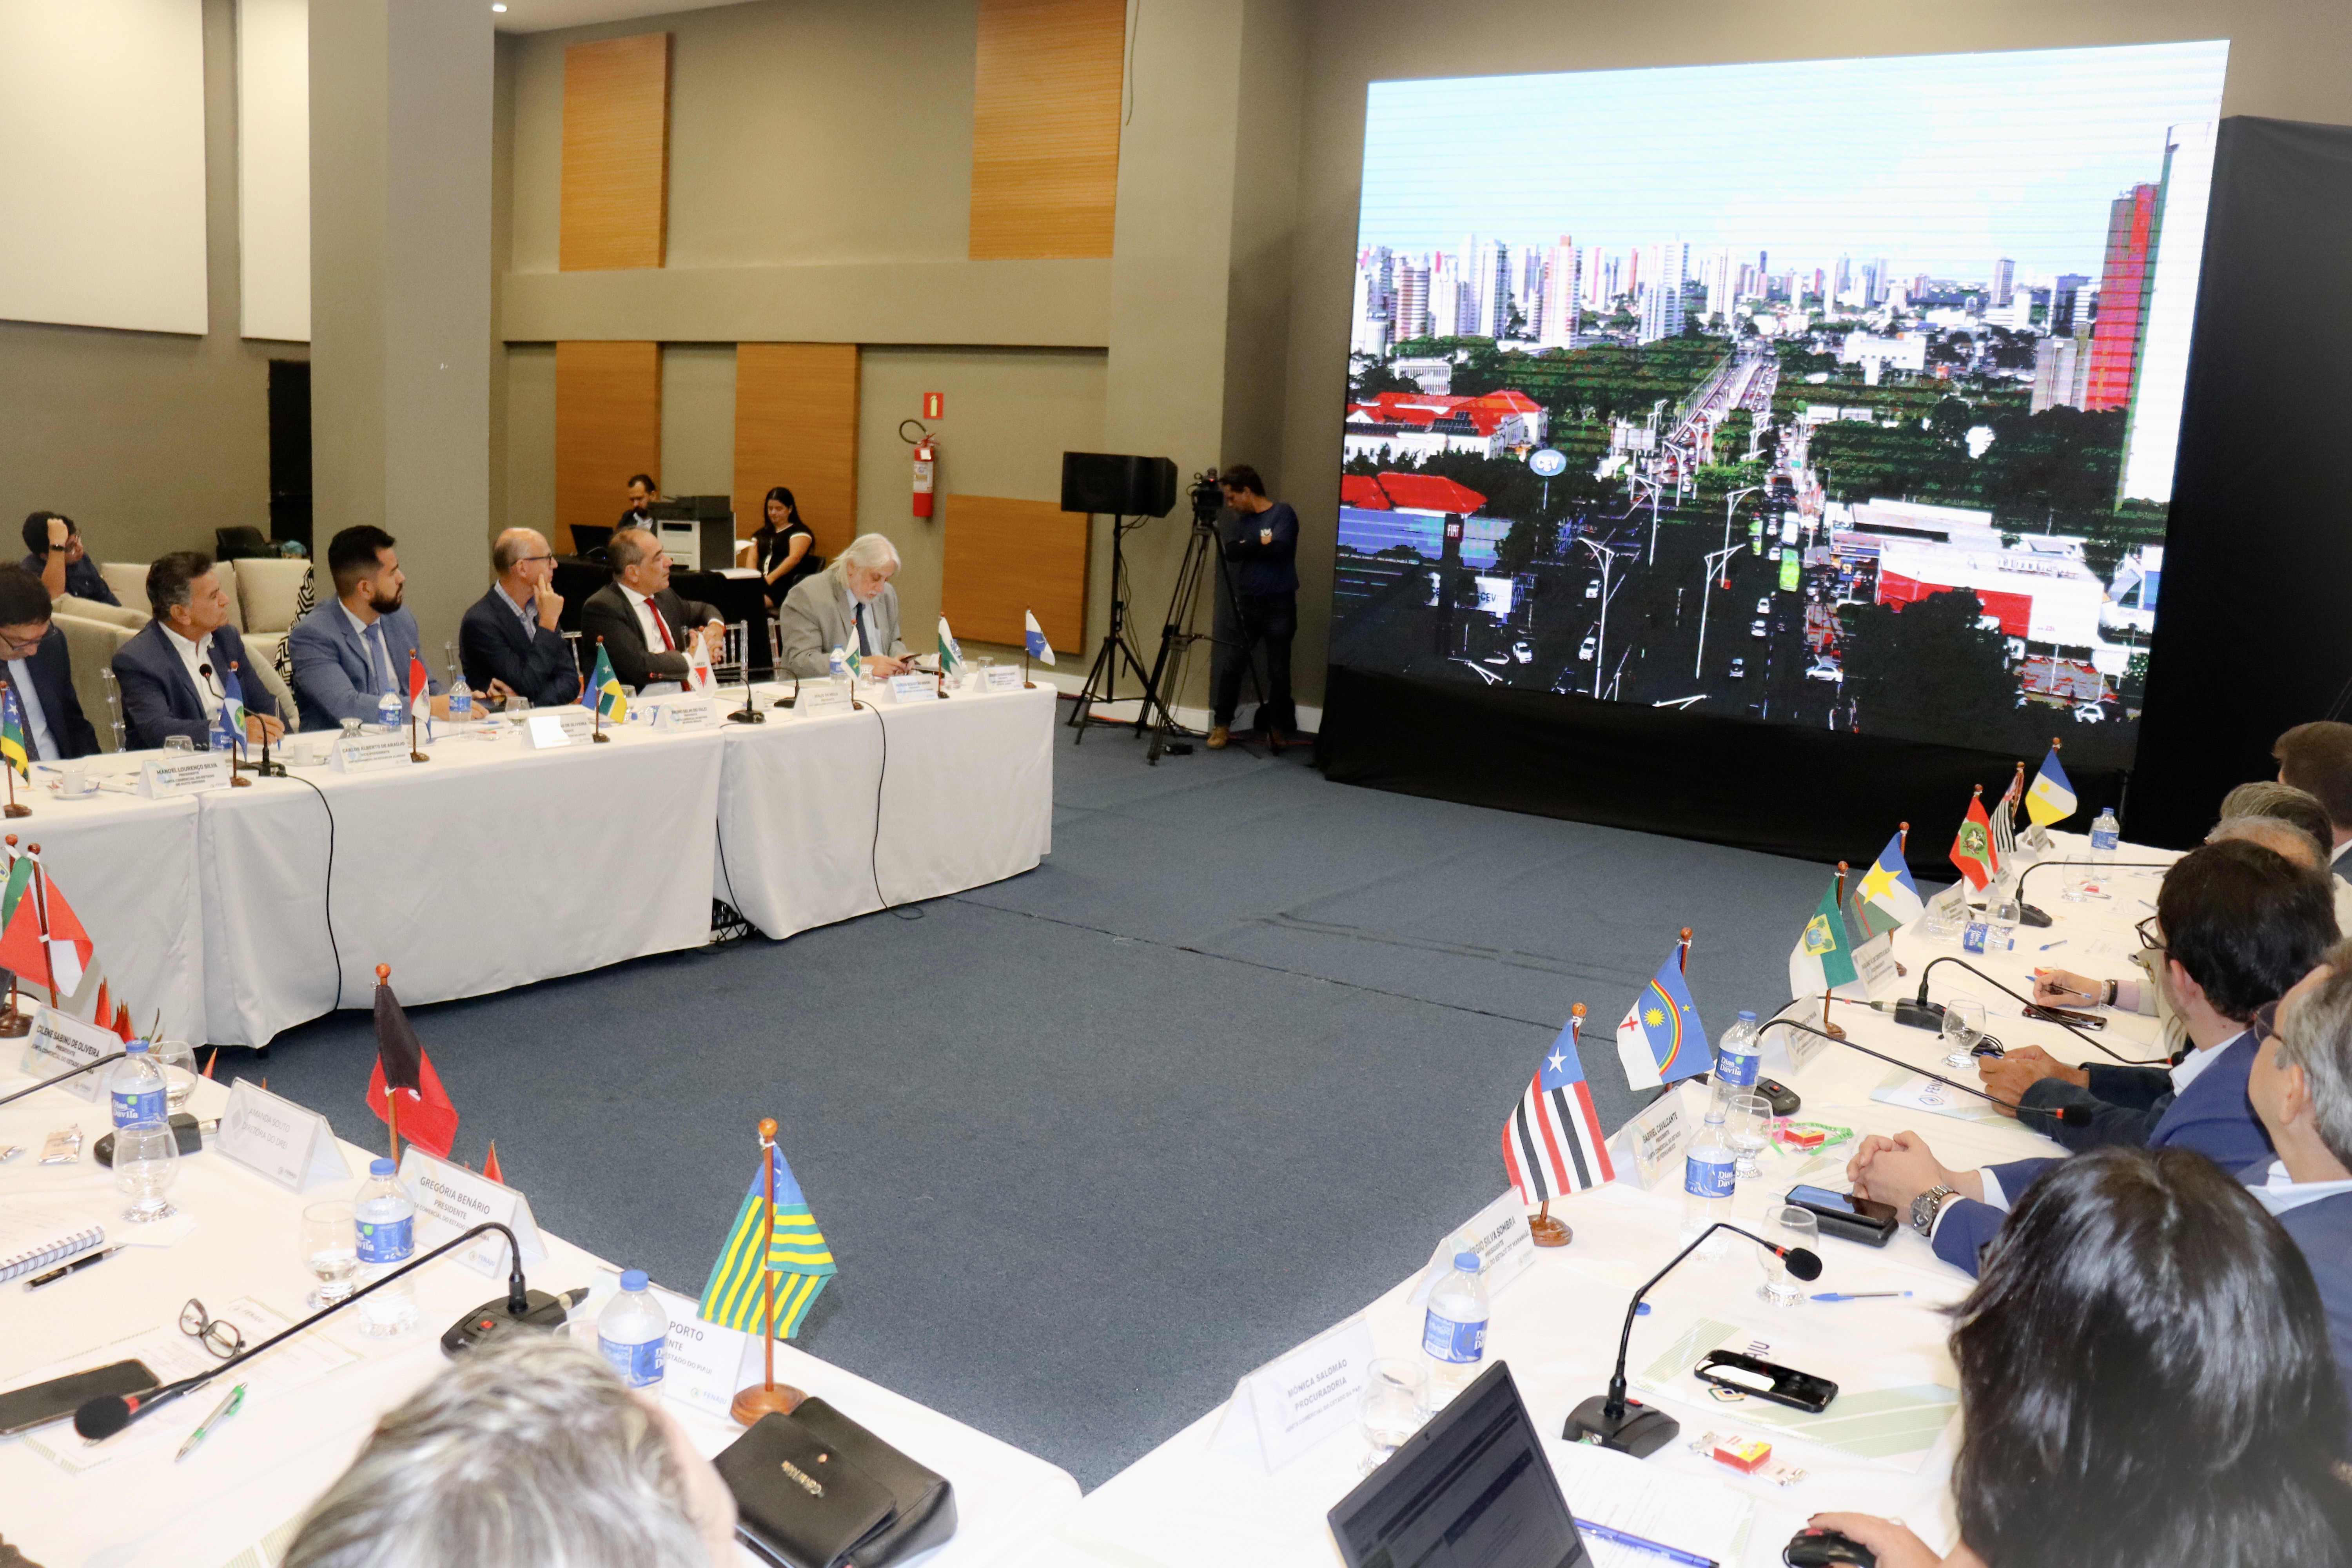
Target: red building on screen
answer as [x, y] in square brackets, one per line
[2123, 299]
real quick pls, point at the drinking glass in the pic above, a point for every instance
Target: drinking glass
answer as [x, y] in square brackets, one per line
[2077, 886]
[146, 1159]
[1964, 1022]
[329, 1246]
[1747, 1119]
[177, 1059]
[1393, 1407]
[179, 743]
[1785, 1225]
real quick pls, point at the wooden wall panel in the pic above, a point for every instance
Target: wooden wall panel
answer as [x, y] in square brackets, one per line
[1003, 557]
[607, 427]
[796, 425]
[615, 153]
[1045, 128]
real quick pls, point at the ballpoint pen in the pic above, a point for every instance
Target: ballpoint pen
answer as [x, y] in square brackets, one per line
[1854, 1295]
[222, 1412]
[76, 1267]
[1674, 1553]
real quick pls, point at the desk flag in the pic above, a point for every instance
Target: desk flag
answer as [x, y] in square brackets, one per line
[852, 662]
[604, 691]
[20, 876]
[797, 1251]
[228, 729]
[951, 651]
[420, 688]
[44, 945]
[1822, 959]
[1039, 648]
[426, 1117]
[11, 732]
[1661, 1039]
[2051, 798]
[1972, 849]
[1886, 897]
[699, 676]
[1552, 1144]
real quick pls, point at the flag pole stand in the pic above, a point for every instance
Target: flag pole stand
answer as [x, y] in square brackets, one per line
[15, 1023]
[415, 754]
[1903, 849]
[391, 1095]
[767, 1397]
[14, 809]
[1026, 684]
[1833, 1031]
[1548, 1231]
[41, 911]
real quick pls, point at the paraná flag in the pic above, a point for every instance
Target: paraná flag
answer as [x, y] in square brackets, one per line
[1886, 897]
[11, 732]
[1972, 849]
[426, 1117]
[1661, 1039]
[2051, 798]
[1552, 1144]
[1039, 648]
[229, 726]
[1822, 959]
[797, 1253]
[603, 692]
[951, 651]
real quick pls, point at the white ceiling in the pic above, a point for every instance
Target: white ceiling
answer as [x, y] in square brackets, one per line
[545, 15]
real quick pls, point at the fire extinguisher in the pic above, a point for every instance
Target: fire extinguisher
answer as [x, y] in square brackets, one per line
[926, 451]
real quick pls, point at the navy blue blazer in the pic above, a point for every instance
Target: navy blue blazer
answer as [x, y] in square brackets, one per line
[490, 643]
[158, 698]
[334, 673]
[2323, 1231]
[2213, 1117]
[83, 580]
[49, 672]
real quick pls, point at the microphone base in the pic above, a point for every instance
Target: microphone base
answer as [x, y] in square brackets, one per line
[2029, 915]
[747, 716]
[1918, 1014]
[487, 1322]
[1641, 1431]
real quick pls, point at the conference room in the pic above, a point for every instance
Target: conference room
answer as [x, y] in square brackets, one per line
[1122, 783]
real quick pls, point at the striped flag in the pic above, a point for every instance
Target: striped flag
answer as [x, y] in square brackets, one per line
[733, 1298]
[1552, 1144]
[2004, 820]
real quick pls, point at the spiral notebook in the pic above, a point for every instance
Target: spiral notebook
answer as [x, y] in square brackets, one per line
[34, 1238]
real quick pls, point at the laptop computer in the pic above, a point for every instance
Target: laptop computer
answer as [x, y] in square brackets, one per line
[1470, 1490]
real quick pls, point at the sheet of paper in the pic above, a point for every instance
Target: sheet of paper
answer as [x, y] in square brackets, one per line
[1686, 1512]
[1902, 1087]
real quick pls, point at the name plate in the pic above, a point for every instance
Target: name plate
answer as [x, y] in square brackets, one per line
[1000, 678]
[686, 713]
[703, 1365]
[1951, 904]
[914, 689]
[70, 1043]
[1652, 1145]
[160, 779]
[278, 1139]
[1290, 1404]
[1498, 1233]
[1874, 964]
[544, 731]
[451, 1200]
[368, 753]
[821, 696]
[1788, 1050]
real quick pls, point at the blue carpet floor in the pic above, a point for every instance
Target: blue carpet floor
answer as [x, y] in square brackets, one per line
[1091, 1143]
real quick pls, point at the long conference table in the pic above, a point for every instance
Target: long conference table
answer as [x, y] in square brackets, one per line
[239, 913]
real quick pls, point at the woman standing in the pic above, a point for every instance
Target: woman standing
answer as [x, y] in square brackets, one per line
[782, 548]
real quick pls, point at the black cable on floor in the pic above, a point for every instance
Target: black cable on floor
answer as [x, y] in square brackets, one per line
[332, 945]
[874, 850]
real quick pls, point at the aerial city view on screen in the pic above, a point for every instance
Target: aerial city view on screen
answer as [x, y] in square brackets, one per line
[1839, 394]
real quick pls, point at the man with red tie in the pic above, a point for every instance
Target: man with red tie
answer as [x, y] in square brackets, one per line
[647, 630]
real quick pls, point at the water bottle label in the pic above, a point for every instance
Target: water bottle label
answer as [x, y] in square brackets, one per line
[640, 1364]
[1709, 1178]
[1735, 1069]
[138, 1107]
[461, 705]
[387, 1241]
[1974, 939]
[1461, 1343]
[2104, 838]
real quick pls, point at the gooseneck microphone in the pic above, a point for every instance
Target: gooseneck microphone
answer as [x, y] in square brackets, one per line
[2070, 1115]
[1914, 1011]
[70, 1072]
[101, 1418]
[1628, 1426]
[2028, 915]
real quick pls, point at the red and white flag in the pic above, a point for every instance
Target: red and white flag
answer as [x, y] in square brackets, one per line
[1972, 846]
[1552, 1145]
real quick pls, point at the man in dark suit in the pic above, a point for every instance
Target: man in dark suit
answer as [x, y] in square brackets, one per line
[647, 630]
[2317, 757]
[41, 672]
[508, 642]
[348, 654]
[2237, 924]
[60, 562]
[171, 672]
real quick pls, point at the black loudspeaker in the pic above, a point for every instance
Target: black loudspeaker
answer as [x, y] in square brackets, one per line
[1123, 486]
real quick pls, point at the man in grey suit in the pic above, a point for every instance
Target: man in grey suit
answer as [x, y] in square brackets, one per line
[2317, 757]
[849, 604]
[348, 655]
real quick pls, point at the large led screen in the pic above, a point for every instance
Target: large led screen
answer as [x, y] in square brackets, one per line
[1841, 394]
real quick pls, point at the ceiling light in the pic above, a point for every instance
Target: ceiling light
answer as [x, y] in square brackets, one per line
[497, 7]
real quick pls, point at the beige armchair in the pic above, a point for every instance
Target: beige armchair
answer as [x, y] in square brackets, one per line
[129, 581]
[267, 592]
[90, 645]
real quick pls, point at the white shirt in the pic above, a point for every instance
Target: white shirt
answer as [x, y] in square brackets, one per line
[2282, 1192]
[194, 655]
[37, 723]
[378, 654]
[2340, 849]
[649, 621]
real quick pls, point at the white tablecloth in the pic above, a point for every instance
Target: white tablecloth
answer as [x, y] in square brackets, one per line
[1185, 1504]
[262, 1469]
[966, 794]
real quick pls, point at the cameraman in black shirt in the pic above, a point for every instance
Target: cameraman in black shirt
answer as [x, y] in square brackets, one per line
[1264, 549]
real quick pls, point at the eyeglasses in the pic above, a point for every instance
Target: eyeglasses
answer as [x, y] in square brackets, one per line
[22, 648]
[532, 560]
[2265, 1022]
[2150, 937]
[223, 1338]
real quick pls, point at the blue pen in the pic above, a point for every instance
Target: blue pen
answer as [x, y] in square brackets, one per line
[2048, 945]
[1855, 1296]
[1673, 1553]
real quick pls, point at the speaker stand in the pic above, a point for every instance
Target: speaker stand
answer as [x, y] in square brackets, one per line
[1102, 680]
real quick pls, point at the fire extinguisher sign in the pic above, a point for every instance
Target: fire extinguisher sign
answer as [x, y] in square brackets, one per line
[935, 405]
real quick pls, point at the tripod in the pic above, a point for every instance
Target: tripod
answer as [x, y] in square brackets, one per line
[1177, 638]
[1103, 679]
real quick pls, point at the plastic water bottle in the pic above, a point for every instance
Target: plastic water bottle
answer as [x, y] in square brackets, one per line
[1737, 1053]
[1708, 1177]
[2001, 915]
[388, 712]
[2104, 833]
[134, 1086]
[387, 1236]
[632, 1333]
[1453, 1334]
[461, 699]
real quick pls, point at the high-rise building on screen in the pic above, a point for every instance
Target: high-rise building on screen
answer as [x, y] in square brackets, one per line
[1556, 328]
[2123, 299]
[1662, 306]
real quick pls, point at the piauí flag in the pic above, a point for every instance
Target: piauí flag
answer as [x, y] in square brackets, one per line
[1886, 896]
[1822, 959]
[420, 688]
[1552, 1144]
[426, 1117]
[2052, 798]
[951, 651]
[733, 1298]
[1661, 1039]
[228, 729]
[1972, 849]
[605, 693]
[1039, 648]
[11, 732]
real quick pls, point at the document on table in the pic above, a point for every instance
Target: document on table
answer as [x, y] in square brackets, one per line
[1904, 1088]
[1686, 1512]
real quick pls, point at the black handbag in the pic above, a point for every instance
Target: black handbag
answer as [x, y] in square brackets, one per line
[815, 1490]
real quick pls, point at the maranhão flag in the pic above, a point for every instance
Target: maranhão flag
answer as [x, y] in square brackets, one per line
[1552, 1144]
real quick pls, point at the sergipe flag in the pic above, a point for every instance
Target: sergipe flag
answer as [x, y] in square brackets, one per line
[1039, 648]
[426, 1117]
[1886, 896]
[1661, 1039]
[1822, 959]
[951, 651]
[1972, 849]
[2051, 798]
[735, 1294]
[1552, 1144]
[603, 692]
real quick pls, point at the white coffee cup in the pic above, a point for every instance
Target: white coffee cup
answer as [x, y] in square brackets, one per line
[74, 781]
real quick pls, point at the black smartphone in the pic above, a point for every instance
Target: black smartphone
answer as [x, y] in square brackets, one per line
[185, 1131]
[1763, 1379]
[1844, 1216]
[21, 1409]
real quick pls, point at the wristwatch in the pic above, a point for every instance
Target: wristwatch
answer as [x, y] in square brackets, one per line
[1927, 1206]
